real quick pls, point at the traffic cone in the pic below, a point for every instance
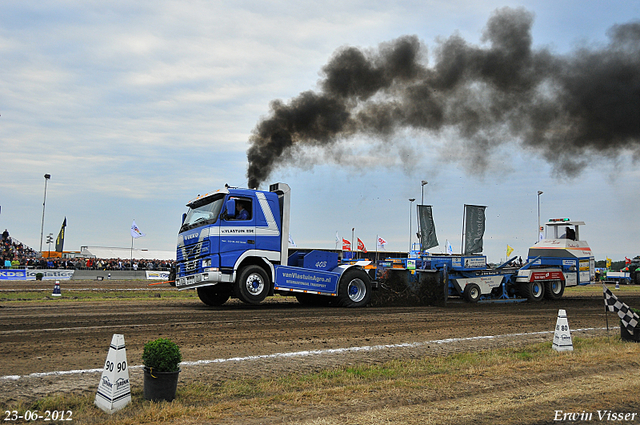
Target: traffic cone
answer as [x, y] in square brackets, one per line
[56, 290]
[562, 335]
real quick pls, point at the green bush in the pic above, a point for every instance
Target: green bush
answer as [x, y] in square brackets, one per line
[39, 276]
[162, 355]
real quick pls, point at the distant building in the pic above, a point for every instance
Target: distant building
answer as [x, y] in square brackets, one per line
[124, 253]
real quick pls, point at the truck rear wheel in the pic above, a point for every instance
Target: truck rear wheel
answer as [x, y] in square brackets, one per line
[533, 291]
[354, 289]
[214, 295]
[253, 285]
[472, 293]
[553, 290]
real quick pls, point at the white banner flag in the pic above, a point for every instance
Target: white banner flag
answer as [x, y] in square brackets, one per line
[381, 242]
[135, 231]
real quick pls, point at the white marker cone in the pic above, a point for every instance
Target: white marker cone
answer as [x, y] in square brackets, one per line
[114, 389]
[562, 336]
[56, 290]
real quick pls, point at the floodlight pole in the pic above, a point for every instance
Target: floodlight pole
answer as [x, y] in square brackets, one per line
[424, 182]
[46, 179]
[538, 229]
[410, 230]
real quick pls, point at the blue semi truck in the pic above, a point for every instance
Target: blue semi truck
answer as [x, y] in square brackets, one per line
[235, 243]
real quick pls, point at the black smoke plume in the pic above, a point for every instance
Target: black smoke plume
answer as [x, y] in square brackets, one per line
[563, 107]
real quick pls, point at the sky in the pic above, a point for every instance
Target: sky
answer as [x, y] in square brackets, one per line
[134, 108]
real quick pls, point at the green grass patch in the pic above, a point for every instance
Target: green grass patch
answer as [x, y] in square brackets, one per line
[93, 295]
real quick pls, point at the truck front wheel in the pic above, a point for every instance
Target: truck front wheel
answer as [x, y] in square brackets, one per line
[354, 289]
[214, 295]
[252, 286]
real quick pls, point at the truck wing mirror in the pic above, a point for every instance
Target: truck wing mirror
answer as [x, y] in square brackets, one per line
[184, 216]
[230, 208]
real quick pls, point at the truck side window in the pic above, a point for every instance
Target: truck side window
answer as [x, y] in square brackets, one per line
[243, 209]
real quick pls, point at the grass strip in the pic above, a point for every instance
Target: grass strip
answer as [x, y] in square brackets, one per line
[420, 388]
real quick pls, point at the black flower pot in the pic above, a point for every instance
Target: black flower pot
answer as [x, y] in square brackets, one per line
[626, 336]
[160, 386]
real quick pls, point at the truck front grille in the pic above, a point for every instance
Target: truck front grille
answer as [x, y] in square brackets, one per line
[190, 266]
[191, 252]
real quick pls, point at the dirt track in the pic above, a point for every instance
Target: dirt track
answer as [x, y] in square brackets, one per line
[63, 336]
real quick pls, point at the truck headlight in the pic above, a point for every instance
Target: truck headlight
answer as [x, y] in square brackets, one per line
[206, 262]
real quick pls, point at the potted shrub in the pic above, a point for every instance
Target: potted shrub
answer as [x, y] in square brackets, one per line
[624, 333]
[161, 359]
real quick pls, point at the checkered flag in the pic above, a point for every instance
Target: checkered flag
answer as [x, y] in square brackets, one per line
[628, 318]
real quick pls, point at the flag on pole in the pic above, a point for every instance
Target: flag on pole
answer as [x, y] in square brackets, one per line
[60, 238]
[449, 248]
[361, 246]
[509, 251]
[346, 245]
[381, 242]
[135, 231]
[628, 318]
[608, 263]
[291, 242]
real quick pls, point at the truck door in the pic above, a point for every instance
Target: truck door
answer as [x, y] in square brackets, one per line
[237, 230]
[268, 223]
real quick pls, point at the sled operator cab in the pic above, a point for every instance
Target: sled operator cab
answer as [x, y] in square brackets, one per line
[562, 247]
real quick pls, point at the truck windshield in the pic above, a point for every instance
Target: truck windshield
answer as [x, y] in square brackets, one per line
[201, 214]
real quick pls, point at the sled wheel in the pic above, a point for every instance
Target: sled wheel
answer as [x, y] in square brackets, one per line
[472, 293]
[533, 291]
[554, 289]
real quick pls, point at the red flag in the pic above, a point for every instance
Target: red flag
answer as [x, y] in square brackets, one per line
[346, 245]
[361, 246]
[627, 260]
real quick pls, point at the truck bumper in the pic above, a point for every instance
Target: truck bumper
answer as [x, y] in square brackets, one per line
[207, 278]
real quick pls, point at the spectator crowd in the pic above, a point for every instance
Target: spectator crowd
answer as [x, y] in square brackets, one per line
[16, 255]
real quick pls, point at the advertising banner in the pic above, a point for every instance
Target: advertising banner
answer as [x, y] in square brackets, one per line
[157, 275]
[13, 274]
[30, 274]
[474, 228]
[305, 280]
[60, 238]
[428, 237]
